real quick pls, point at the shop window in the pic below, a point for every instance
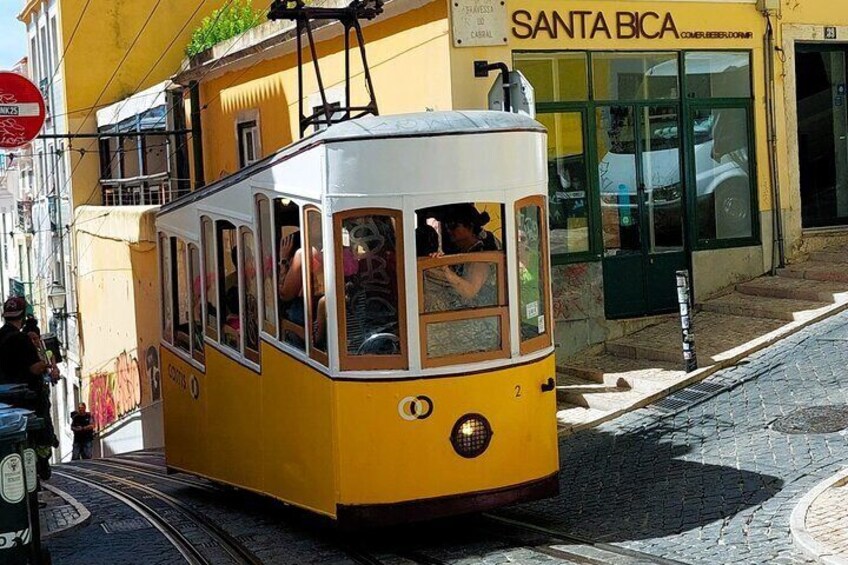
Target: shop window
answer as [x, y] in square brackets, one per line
[316, 299]
[250, 301]
[568, 186]
[635, 76]
[556, 77]
[723, 180]
[266, 253]
[197, 346]
[229, 284]
[531, 245]
[210, 277]
[291, 298]
[165, 269]
[718, 74]
[182, 338]
[369, 267]
[462, 284]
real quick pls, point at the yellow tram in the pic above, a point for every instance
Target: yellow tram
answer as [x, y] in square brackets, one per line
[360, 324]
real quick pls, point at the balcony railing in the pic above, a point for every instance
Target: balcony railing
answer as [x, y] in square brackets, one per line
[151, 190]
[25, 216]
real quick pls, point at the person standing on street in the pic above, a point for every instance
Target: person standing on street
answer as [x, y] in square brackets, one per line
[83, 429]
[20, 362]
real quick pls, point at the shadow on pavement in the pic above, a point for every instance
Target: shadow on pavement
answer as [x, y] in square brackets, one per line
[642, 485]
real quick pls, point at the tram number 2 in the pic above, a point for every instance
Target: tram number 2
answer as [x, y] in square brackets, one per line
[517, 391]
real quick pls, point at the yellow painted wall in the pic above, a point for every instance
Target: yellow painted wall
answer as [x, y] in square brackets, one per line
[118, 314]
[103, 63]
[408, 57]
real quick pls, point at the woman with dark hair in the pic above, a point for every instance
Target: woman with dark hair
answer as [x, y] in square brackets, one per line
[473, 282]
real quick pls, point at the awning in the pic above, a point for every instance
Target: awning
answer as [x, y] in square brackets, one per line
[148, 106]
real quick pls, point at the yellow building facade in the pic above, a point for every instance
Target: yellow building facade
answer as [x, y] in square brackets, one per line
[92, 54]
[676, 129]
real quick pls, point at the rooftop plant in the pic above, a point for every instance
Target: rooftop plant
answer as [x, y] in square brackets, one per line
[232, 19]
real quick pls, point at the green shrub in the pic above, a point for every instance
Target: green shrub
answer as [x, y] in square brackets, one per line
[226, 22]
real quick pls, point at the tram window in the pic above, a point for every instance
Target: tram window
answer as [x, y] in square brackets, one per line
[462, 285]
[317, 300]
[228, 281]
[211, 276]
[532, 274]
[290, 296]
[182, 338]
[249, 300]
[369, 267]
[167, 296]
[197, 348]
[266, 248]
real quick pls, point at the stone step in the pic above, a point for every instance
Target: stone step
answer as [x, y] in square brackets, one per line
[638, 374]
[797, 289]
[816, 271]
[831, 255]
[589, 394]
[738, 304]
[571, 417]
[715, 333]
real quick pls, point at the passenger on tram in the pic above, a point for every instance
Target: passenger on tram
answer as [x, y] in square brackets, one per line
[232, 323]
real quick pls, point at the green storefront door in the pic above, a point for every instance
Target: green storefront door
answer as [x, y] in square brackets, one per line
[641, 191]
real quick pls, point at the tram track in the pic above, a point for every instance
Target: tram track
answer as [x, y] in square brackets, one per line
[235, 550]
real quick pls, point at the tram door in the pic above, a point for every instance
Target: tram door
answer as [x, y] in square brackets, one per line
[642, 198]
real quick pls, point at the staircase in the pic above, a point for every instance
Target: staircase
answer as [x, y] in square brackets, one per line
[642, 367]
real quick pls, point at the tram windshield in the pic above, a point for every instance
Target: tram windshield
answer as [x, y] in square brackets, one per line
[462, 265]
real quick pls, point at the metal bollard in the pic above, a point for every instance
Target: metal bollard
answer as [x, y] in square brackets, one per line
[690, 360]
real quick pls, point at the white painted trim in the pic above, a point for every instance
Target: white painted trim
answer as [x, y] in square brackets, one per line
[798, 524]
[182, 355]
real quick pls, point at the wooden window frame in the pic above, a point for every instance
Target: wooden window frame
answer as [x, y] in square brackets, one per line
[165, 243]
[199, 356]
[175, 290]
[271, 328]
[501, 310]
[314, 353]
[348, 362]
[207, 229]
[222, 278]
[249, 354]
[546, 339]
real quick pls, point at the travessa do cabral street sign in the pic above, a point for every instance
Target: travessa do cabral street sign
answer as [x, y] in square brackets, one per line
[22, 110]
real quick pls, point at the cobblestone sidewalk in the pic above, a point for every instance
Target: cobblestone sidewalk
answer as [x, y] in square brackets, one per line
[820, 521]
[61, 511]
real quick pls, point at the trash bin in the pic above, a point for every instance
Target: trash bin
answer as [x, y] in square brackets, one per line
[15, 530]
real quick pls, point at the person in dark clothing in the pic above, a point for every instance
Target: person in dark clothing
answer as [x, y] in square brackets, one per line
[83, 428]
[20, 362]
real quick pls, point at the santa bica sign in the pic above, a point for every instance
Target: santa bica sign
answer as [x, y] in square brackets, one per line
[22, 110]
[588, 24]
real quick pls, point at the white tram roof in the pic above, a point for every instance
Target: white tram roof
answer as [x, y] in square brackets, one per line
[384, 165]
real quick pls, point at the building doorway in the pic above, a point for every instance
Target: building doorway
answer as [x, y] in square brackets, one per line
[822, 76]
[641, 190]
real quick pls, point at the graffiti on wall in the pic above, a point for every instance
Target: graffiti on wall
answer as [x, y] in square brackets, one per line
[116, 393]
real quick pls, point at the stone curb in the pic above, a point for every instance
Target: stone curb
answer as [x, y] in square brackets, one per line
[724, 360]
[798, 524]
[83, 512]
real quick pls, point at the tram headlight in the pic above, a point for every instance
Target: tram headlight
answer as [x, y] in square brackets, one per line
[471, 435]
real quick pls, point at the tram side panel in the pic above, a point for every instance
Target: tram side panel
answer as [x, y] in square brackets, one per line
[390, 453]
[297, 426]
[184, 412]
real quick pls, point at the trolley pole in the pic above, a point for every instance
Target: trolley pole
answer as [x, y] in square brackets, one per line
[690, 360]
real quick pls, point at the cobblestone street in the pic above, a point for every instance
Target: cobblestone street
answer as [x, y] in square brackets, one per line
[701, 477]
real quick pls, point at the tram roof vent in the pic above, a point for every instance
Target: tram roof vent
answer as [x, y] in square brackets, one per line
[305, 15]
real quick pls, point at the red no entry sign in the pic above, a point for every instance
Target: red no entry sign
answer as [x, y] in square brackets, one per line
[22, 110]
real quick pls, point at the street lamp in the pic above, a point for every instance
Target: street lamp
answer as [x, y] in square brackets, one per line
[57, 298]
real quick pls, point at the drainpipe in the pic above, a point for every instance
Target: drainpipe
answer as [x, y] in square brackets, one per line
[196, 135]
[771, 118]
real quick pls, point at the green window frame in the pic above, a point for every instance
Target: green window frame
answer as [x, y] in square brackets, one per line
[687, 106]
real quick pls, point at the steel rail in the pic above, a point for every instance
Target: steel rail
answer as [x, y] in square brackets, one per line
[234, 548]
[177, 539]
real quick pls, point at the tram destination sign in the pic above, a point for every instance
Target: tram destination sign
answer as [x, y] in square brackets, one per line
[22, 110]
[588, 24]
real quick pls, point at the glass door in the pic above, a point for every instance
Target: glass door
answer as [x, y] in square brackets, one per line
[641, 191]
